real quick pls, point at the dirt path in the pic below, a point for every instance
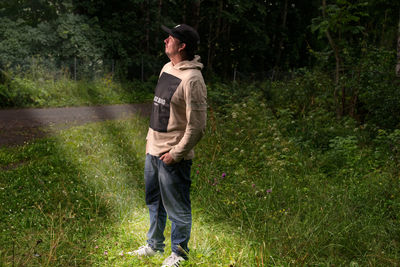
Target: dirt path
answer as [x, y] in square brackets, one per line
[18, 126]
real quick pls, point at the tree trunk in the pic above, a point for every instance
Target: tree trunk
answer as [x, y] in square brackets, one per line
[210, 47]
[160, 4]
[184, 8]
[214, 35]
[398, 50]
[337, 59]
[147, 38]
[196, 14]
[227, 59]
[280, 46]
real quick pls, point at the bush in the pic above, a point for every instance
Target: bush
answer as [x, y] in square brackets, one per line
[379, 94]
[39, 92]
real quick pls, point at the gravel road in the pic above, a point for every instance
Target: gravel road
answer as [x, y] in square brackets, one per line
[18, 126]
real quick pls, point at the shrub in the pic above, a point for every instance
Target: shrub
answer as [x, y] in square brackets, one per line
[379, 89]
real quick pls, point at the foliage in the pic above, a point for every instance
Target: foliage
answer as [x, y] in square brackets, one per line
[273, 35]
[29, 91]
[342, 17]
[34, 12]
[378, 88]
[79, 38]
[70, 36]
[16, 41]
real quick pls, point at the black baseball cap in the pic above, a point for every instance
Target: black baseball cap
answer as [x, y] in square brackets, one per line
[185, 34]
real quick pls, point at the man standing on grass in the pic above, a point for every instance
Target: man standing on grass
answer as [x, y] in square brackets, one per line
[177, 124]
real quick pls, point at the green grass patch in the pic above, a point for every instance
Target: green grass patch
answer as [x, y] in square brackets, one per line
[78, 199]
[269, 188]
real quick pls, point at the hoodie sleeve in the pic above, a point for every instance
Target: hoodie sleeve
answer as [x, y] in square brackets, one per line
[196, 115]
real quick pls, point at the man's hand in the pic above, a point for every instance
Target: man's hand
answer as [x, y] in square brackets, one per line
[167, 159]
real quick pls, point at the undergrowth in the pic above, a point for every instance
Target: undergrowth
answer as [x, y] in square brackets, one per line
[17, 90]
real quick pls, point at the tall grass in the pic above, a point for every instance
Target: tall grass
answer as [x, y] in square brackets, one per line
[299, 204]
[270, 188]
[50, 90]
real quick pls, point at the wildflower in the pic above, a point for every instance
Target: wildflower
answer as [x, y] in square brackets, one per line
[121, 253]
[269, 190]
[223, 175]
[197, 172]
[253, 185]
[96, 247]
[215, 182]
[106, 252]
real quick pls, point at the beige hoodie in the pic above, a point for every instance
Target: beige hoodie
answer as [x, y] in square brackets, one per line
[179, 114]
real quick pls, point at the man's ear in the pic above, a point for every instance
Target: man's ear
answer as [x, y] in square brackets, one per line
[181, 47]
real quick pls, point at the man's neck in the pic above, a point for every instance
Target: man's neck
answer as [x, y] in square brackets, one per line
[176, 59]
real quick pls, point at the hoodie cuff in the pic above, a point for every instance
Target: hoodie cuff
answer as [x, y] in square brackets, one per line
[174, 155]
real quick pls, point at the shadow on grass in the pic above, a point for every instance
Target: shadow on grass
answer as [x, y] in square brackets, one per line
[53, 209]
[66, 195]
[48, 212]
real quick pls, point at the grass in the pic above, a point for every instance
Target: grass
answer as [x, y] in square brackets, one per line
[48, 91]
[263, 194]
[78, 199]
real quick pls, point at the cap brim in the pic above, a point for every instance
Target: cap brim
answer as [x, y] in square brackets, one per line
[168, 30]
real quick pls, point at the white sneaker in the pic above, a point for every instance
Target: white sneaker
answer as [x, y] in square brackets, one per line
[143, 251]
[173, 260]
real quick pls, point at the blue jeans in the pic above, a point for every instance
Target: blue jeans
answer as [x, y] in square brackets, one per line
[168, 192]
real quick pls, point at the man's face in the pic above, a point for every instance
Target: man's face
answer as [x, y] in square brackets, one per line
[172, 46]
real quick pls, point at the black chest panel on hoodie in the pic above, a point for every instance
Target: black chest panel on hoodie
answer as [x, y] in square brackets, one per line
[165, 89]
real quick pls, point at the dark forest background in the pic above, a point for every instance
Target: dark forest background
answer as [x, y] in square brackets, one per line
[353, 43]
[252, 36]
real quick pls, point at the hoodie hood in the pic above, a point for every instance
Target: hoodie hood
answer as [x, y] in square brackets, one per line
[192, 64]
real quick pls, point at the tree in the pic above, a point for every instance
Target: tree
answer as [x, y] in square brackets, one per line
[34, 12]
[340, 24]
[398, 50]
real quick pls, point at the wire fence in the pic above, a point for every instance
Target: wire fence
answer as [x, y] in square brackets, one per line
[82, 69]
[273, 74]
[139, 68]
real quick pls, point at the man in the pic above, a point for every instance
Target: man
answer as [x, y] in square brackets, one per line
[177, 124]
